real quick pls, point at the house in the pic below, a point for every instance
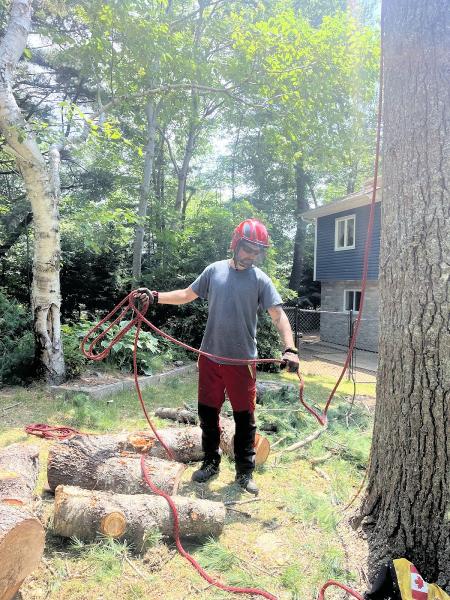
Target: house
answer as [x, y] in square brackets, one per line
[340, 238]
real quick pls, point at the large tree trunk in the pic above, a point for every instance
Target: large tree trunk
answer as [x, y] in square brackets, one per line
[21, 546]
[43, 196]
[85, 514]
[19, 469]
[300, 236]
[151, 113]
[79, 462]
[406, 508]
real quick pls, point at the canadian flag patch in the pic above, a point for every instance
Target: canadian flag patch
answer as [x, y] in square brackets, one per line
[419, 587]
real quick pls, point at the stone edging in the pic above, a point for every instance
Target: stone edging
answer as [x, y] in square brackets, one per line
[102, 391]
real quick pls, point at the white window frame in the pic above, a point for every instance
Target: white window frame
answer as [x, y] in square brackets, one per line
[347, 218]
[353, 290]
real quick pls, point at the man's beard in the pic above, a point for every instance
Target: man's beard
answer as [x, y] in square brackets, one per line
[246, 263]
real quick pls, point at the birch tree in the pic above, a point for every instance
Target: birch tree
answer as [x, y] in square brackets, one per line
[41, 181]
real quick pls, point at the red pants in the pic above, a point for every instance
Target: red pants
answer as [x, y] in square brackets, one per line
[239, 381]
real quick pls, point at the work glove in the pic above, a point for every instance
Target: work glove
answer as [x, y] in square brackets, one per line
[290, 360]
[143, 294]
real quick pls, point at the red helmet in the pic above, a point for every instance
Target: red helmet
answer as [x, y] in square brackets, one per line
[252, 231]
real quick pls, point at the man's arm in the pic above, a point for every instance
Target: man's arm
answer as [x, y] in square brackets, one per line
[174, 297]
[177, 296]
[281, 322]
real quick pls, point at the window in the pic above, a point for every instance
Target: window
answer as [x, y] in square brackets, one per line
[344, 233]
[352, 300]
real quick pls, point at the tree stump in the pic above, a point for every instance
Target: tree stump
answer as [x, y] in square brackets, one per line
[19, 468]
[79, 461]
[85, 514]
[21, 547]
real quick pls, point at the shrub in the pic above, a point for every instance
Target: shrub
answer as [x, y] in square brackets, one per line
[121, 354]
[16, 342]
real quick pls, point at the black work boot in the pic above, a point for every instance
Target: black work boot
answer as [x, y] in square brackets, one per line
[246, 482]
[209, 469]
[244, 449]
[209, 423]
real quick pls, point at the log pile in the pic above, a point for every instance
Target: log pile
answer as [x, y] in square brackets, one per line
[99, 486]
[21, 533]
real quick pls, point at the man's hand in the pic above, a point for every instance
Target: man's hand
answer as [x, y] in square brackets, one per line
[290, 360]
[144, 294]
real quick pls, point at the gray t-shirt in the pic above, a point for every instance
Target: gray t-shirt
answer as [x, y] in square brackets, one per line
[234, 298]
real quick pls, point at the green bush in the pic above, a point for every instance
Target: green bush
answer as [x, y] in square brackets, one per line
[121, 354]
[16, 342]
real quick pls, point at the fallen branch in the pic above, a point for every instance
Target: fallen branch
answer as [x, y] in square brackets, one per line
[9, 407]
[304, 442]
[321, 473]
[320, 459]
[236, 502]
[240, 512]
[279, 441]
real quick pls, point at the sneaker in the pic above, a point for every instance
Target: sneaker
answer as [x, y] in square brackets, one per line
[208, 470]
[246, 482]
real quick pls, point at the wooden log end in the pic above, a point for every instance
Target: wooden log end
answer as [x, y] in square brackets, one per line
[262, 449]
[141, 442]
[21, 547]
[113, 524]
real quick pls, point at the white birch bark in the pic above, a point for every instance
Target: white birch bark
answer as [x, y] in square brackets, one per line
[43, 193]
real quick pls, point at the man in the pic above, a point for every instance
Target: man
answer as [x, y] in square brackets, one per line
[235, 289]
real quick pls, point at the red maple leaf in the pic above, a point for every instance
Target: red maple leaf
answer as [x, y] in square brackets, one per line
[419, 582]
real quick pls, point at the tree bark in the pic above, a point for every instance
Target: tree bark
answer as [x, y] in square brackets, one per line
[19, 469]
[80, 462]
[188, 153]
[85, 514]
[300, 236]
[21, 546]
[151, 113]
[21, 142]
[407, 501]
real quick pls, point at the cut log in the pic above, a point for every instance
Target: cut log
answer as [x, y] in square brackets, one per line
[181, 415]
[19, 468]
[262, 445]
[185, 443]
[21, 547]
[79, 462]
[85, 514]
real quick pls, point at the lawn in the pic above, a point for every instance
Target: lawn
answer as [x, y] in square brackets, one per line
[289, 542]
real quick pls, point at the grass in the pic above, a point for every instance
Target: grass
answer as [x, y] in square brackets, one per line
[293, 541]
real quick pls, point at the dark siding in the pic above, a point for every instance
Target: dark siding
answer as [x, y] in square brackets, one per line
[334, 264]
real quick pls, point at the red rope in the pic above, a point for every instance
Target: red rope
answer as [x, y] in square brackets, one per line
[353, 593]
[50, 433]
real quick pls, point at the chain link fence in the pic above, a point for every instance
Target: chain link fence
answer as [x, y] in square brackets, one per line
[323, 339]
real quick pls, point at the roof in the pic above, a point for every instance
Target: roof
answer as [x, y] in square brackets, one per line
[352, 201]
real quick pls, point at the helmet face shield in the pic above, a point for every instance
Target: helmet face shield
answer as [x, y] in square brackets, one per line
[247, 254]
